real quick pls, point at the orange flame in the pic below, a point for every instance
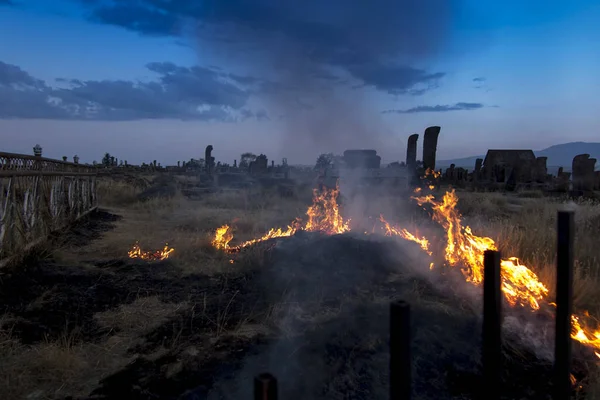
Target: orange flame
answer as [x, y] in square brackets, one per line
[137, 252]
[520, 285]
[405, 234]
[322, 216]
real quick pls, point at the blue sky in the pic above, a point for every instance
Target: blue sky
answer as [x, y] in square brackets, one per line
[294, 79]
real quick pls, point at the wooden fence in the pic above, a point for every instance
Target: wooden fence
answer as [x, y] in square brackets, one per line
[39, 196]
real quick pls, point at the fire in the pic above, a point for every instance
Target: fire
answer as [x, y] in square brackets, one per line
[137, 252]
[405, 234]
[520, 285]
[322, 216]
[223, 236]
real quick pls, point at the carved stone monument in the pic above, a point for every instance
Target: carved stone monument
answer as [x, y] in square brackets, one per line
[430, 139]
[411, 151]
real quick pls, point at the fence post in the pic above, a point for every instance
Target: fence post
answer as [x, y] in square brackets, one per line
[265, 387]
[564, 304]
[400, 359]
[492, 325]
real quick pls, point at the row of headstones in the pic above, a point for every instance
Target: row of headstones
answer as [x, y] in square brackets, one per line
[585, 178]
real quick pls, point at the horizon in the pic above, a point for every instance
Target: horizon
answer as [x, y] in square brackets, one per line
[145, 83]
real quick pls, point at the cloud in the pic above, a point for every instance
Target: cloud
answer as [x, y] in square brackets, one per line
[375, 42]
[438, 108]
[479, 79]
[178, 92]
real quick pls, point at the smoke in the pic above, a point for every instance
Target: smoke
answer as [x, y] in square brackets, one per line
[311, 57]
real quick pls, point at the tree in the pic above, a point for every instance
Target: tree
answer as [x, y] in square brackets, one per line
[106, 160]
[246, 159]
[324, 160]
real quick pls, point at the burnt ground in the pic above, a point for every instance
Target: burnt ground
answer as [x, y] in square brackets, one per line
[311, 309]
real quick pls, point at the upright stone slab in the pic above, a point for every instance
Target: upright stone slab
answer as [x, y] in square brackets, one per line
[411, 151]
[580, 169]
[209, 160]
[430, 146]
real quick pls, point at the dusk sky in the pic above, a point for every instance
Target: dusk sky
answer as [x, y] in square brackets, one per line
[160, 79]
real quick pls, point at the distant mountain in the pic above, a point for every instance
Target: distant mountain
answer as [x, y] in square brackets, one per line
[560, 155]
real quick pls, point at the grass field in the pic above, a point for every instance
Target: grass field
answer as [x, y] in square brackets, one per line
[82, 319]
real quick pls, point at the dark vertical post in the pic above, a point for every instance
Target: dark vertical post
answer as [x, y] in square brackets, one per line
[492, 324]
[265, 387]
[564, 304]
[400, 359]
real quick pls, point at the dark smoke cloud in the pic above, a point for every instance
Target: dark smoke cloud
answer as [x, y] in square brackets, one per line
[305, 58]
[373, 41]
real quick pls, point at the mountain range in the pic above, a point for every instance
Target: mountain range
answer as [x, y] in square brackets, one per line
[559, 155]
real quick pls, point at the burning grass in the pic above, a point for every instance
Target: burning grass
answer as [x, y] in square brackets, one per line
[520, 285]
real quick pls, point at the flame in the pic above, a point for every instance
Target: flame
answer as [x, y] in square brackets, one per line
[137, 252]
[322, 216]
[405, 234]
[520, 285]
[223, 236]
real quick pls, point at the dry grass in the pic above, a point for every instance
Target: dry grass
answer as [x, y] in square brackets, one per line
[522, 225]
[526, 228]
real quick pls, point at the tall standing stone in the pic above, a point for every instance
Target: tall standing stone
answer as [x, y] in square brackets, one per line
[430, 146]
[411, 151]
[209, 160]
[580, 169]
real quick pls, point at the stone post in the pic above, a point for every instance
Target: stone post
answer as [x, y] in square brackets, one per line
[178, 164]
[64, 158]
[579, 167]
[234, 163]
[209, 159]
[411, 151]
[37, 150]
[430, 140]
[76, 159]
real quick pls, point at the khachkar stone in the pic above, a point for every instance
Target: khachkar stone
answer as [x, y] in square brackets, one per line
[583, 170]
[76, 159]
[37, 150]
[411, 151]
[430, 147]
[209, 160]
[234, 163]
